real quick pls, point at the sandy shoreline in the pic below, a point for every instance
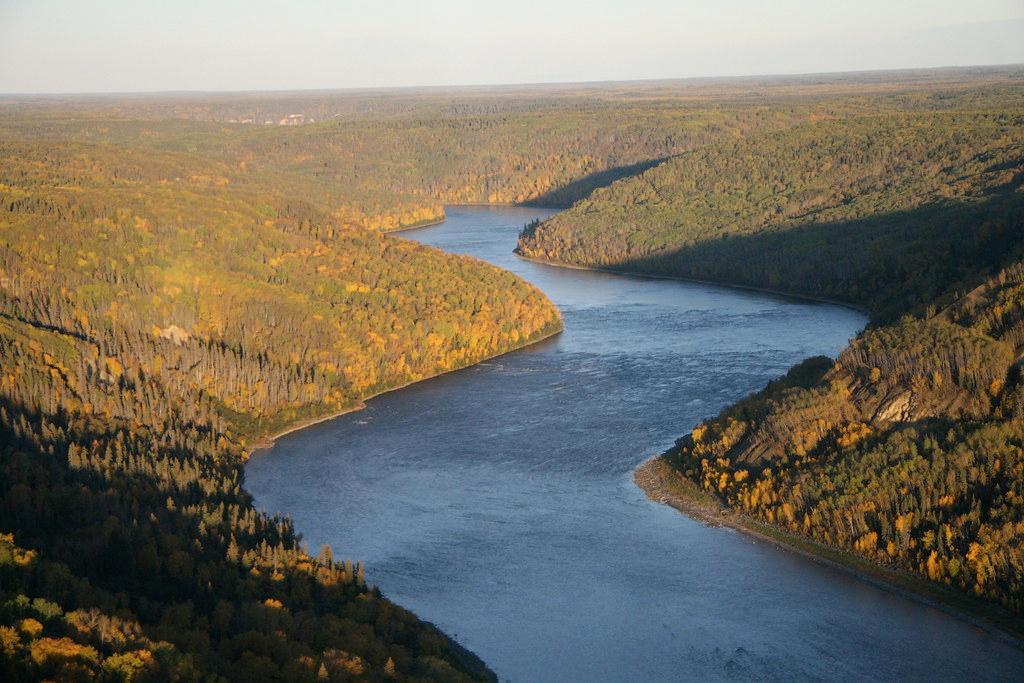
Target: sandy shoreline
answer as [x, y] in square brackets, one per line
[268, 441]
[439, 221]
[663, 484]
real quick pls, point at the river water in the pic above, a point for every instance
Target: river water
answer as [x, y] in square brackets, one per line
[498, 501]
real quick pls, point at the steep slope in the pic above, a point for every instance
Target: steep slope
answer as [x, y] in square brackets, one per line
[176, 285]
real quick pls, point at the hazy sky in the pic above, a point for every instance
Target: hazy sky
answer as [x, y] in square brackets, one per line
[146, 45]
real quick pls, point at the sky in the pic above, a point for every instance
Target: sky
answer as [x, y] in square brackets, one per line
[60, 46]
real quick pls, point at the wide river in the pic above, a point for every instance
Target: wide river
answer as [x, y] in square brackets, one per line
[498, 501]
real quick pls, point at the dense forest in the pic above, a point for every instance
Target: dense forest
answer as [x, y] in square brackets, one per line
[907, 449]
[183, 276]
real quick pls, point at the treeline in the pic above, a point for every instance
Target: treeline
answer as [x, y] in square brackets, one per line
[269, 108]
[390, 162]
[157, 318]
[557, 147]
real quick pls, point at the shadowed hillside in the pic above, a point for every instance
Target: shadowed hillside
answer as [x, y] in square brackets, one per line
[860, 207]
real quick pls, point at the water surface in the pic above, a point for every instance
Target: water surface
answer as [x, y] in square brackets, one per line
[498, 501]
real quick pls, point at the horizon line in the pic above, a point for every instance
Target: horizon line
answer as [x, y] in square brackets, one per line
[508, 85]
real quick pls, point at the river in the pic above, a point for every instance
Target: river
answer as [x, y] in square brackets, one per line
[498, 503]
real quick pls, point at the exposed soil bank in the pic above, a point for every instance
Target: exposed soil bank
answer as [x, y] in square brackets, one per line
[416, 226]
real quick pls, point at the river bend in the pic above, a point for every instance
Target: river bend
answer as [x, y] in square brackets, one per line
[498, 501]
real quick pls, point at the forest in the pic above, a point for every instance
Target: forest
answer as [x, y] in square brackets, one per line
[905, 450]
[157, 320]
[882, 207]
[182, 277]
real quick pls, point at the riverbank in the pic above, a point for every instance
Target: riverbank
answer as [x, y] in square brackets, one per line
[268, 441]
[662, 483]
[263, 443]
[678, 278]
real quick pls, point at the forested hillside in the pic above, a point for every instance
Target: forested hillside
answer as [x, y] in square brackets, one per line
[157, 318]
[886, 208]
[391, 159]
[390, 173]
[907, 449]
